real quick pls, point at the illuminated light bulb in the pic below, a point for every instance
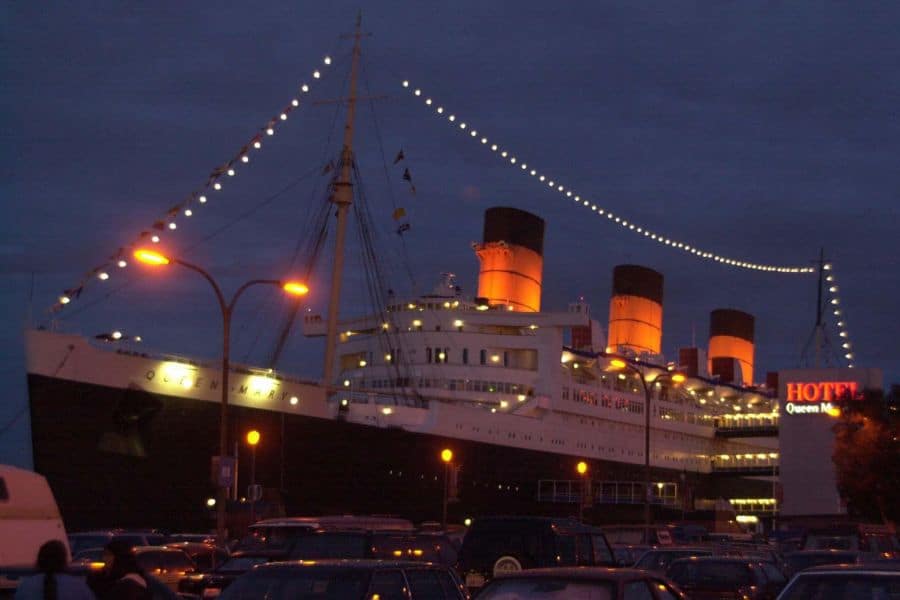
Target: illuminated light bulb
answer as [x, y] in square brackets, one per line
[484, 140]
[137, 338]
[217, 186]
[231, 172]
[245, 159]
[257, 145]
[64, 299]
[833, 288]
[440, 110]
[304, 88]
[405, 83]
[173, 226]
[122, 264]
[316, 74]
[843, 334]
[533, 172]
[473, 133]
[294, 400]
[551, 183]
[837, 313]
[846, 345]
[577, 198]
[117, 335]
[631, 226]
[418, 92]
[428, 101]
[524, 166]
[609, 215]
[618, 219]
[188, 212]
[827, 266]
[155, 239]
[452, 117]
[327, 60]
[283, 117]
[848, 356]
[102, 275]
[624, 222]
[829, 278]
[835, 301]
[542, 178]
[850, 366]
[503, 154]
[462, 125]
[840, 323]
[512, 160]
[600, 211]
[560, 188]
[593, 207]
[569, 194]
[202, 199]
[494, 147]
[270, 131]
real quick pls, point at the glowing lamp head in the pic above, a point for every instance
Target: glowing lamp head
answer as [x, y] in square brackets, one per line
[210, 502]
[295, 288]
[446, 455]
[617, 363]
[151, 257]
[834, 412]
[581, 467]
[253, 437]
[678, 378]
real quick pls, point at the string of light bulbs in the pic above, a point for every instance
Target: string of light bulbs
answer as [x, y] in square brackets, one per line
[834, 303]
[556, 186]
[185, 209]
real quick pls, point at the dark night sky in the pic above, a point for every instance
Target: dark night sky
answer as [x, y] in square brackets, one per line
[761, 131]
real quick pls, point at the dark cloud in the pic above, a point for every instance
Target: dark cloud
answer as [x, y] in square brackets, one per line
[757, 130]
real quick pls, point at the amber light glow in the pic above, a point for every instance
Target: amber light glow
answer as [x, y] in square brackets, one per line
[617, 363]
[678, 378]
[581, 467]
[253, 437]
[151, 257]
[446, 455]
[295, 288]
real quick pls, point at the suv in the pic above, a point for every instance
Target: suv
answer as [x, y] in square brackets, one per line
[496, 545]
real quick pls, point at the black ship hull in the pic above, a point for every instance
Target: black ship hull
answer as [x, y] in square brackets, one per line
[130, 458]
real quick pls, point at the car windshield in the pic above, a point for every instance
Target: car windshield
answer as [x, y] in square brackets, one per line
[711, 575]
[330, 545]
[310, 583]
[242, 563]
[77, 543]
[548, 589]
[844, 586]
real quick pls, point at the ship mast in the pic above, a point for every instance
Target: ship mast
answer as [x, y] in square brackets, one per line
[342, 197]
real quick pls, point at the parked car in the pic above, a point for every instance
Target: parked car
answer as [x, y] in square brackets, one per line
[278, 533]
[577, 583]
[348, 580]
[873, 542]
[86, 561]
[200, 538]
[495, 545]
[206, 556]
[169, 565]
[658, 559]
[875, 581]
[708, 577]
[211, 584]
[98, 539]
[804, 559]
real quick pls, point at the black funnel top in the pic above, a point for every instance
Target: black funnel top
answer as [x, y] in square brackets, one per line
[514, 226]
[635, 280]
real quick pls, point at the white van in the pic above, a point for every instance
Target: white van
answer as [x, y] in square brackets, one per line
[28, 518]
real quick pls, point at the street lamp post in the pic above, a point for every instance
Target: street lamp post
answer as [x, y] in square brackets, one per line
[447, 458]
[582, 468]
[618, 363]
[151, 257]
[253, 439]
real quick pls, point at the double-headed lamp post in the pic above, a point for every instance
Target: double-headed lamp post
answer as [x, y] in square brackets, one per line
[294, 288]
[446, 458]
[620, 364]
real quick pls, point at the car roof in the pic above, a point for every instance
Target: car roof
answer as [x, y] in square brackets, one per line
[580, 573]
[347, 563]
[680, 549]
[712, 559]
[820, 552]
[887, 567]
[140, 549]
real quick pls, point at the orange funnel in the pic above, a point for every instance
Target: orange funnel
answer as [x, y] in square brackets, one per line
[635, 309]
[512, 259]
[730, 342]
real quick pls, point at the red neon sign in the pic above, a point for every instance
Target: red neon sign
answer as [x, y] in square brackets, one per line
[822, 391]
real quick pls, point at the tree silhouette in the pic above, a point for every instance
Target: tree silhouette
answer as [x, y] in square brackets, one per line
[867, 455]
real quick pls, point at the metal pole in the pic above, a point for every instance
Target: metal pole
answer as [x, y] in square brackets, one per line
[235, 491]
[646, 457]
[581, 502]
[223, 422]
[253, 483]
[444, 502]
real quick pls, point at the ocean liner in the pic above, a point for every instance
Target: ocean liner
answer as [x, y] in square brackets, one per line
[520, 395]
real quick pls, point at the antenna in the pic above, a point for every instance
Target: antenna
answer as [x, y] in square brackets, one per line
[818, 347]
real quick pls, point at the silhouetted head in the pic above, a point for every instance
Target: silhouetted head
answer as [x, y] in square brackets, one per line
[52, 557]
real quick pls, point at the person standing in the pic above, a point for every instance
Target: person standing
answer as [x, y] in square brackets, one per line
[52, 582]
[121, 577]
